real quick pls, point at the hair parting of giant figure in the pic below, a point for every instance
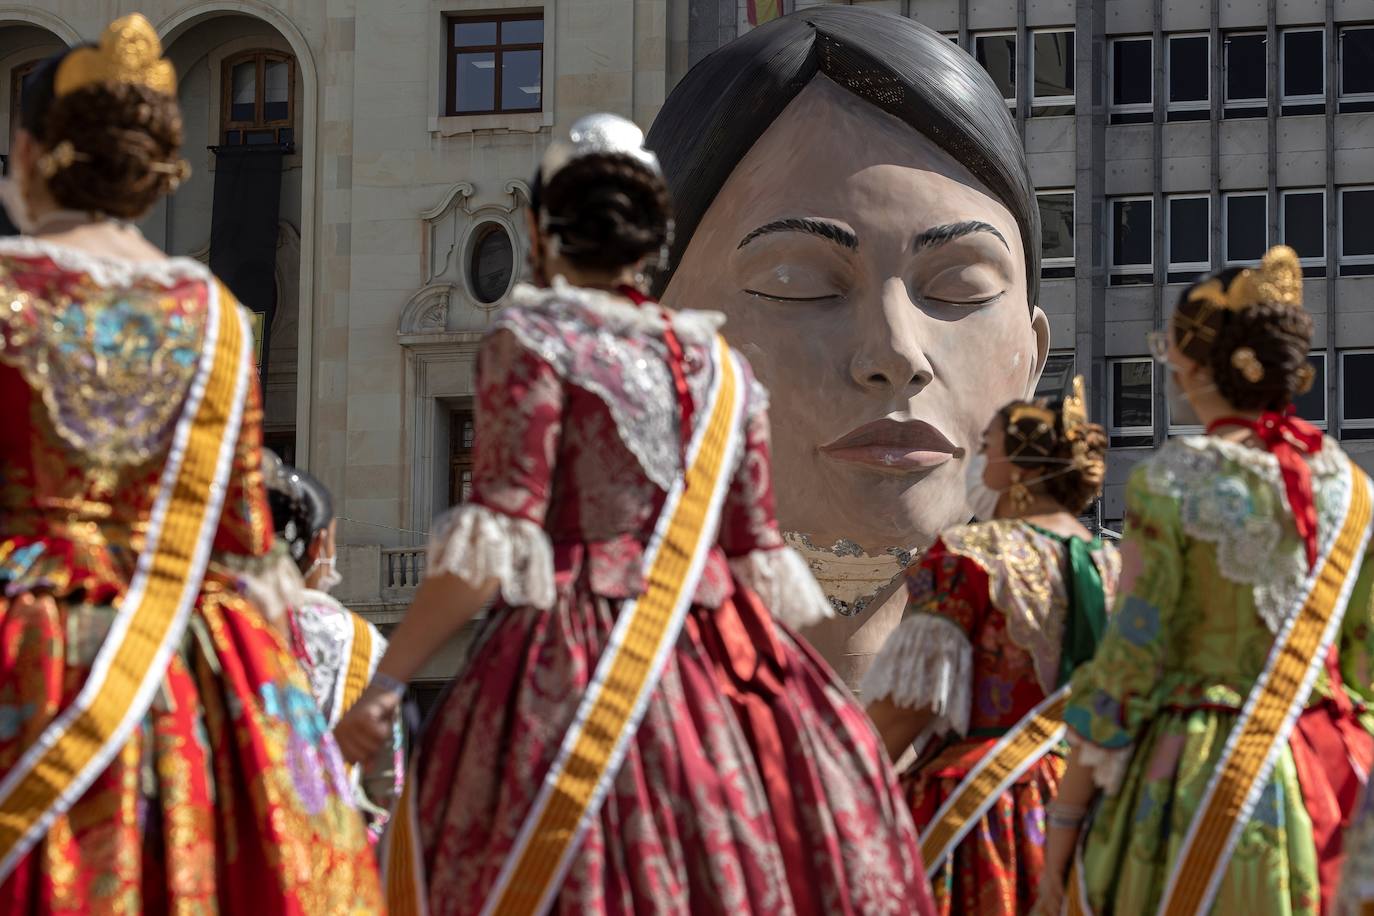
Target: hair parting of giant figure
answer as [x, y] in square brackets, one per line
[851, 191]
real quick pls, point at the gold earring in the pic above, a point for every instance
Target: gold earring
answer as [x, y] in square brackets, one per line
[1020, 495]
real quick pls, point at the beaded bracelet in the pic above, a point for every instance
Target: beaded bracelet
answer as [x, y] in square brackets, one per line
[385, 683]
[1061, 815]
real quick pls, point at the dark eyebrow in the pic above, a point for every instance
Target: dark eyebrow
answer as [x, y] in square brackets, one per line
[826, 230]
[951, 231]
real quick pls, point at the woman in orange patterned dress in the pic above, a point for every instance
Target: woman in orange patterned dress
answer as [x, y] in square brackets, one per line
[159, 747]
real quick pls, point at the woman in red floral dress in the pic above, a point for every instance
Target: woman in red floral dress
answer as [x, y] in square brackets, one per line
[160, 750]
[998, 615]
[754, 782]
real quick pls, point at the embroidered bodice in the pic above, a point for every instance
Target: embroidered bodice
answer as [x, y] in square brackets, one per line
[578, 441]
[986, 611]
[87, 433]
[1221, 570]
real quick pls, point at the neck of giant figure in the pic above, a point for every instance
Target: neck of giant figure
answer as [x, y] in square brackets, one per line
[851, 577]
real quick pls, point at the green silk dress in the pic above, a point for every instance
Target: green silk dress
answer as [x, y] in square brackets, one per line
[1218, 567]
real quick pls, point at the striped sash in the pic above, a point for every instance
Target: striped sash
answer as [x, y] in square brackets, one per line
[358, 671]
[78, 745]
[626, 676]
[1003, 764]
[1264, 724]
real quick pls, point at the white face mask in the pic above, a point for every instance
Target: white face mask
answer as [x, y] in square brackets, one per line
[981, 499]
[1181, 410]
[329, 575]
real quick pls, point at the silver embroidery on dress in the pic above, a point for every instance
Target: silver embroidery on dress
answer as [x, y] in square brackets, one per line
[1232, 496]
[616, 351]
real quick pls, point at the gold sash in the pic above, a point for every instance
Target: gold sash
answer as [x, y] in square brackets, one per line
[359, 670]
[78, 745]
[626, 675]
[1264, 724]
[1003, 764]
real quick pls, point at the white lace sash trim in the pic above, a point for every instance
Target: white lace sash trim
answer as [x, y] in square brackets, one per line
[927, 663]
[478, 544]
[784, 584]
[1108, 765]
[104, 269]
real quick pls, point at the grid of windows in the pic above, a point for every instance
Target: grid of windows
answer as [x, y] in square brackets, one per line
[1190, 232]
[1190, 81]
[496, 64]
[1052, 72]
[1246, 226]
[1357, 232]
[1132, 240]
[1132, 80]
[1304, 227]
[1304, 71]
[1245, 74]
[1131, 395]
[1356, 394]
[1356, 54]
[997, 53]
[1056, 233]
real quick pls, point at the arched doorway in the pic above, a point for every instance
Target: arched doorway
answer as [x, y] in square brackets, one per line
[23, 45]
[246, 87]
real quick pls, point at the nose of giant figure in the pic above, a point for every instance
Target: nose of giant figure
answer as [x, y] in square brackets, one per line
[890, 351]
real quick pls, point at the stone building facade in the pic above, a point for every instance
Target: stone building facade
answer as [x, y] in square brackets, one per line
[1164, 135]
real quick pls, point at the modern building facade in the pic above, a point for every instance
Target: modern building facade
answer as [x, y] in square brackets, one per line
[373, 155]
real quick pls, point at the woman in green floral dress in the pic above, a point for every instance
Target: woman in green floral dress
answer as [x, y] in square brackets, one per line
[1222, 532]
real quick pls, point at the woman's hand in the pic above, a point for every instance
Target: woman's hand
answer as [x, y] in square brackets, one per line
[367, 727]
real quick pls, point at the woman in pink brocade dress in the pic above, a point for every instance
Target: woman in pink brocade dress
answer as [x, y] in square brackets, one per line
[754, 782]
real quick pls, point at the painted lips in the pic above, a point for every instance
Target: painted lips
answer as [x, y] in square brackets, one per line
[899, 446]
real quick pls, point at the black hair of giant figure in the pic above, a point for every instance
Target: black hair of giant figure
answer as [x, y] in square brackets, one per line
[301, 507]
[726, 102]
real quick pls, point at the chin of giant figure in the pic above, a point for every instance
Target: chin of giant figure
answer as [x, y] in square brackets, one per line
[853, 194]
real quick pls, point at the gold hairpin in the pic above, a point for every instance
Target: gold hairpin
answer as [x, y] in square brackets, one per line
[129, 52]
[58, 158]
[1278, 280]
[1075, 410]
[1244, 360]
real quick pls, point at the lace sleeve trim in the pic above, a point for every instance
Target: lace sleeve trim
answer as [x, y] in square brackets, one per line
[478, 544]
[1108, 765]
[927, 663]
[782, 581]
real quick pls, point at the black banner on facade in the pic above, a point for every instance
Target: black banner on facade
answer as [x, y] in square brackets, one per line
[243, 231]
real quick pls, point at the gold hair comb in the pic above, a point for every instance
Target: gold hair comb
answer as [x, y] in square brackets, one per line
[1075, 408]
[1278, 280]
[129, 52]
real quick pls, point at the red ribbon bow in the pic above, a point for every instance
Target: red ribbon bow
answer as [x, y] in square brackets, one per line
[1288, 438]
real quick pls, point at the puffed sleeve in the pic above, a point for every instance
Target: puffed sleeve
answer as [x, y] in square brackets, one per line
[749, 533]
[498, 534]
[1111, 695]
[927, 662]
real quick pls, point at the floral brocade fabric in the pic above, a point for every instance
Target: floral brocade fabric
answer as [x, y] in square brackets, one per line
[980, 643]
[1189, 637]
[229, 796]
[754, 783]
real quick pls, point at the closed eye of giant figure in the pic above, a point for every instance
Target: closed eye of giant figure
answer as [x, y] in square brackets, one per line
[853, 194]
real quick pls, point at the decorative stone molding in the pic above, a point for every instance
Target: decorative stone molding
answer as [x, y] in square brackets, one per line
[449, 224]
[426, 312]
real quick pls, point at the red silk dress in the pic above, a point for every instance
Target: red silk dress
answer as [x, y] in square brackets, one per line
[980, 645]
[230, 796]
[755, 783]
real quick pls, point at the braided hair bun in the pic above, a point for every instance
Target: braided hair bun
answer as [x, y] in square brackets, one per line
[1072, 455]
[301, 506]
[1257, 352]
[607, 211]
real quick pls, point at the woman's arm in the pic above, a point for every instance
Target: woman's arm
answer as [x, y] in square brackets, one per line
[1065, 818]
[443, 604]
[898, 726]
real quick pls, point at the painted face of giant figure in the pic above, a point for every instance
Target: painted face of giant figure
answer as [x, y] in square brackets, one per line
[853, 194]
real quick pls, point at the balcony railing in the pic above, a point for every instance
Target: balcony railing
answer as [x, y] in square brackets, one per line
[402, 567]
